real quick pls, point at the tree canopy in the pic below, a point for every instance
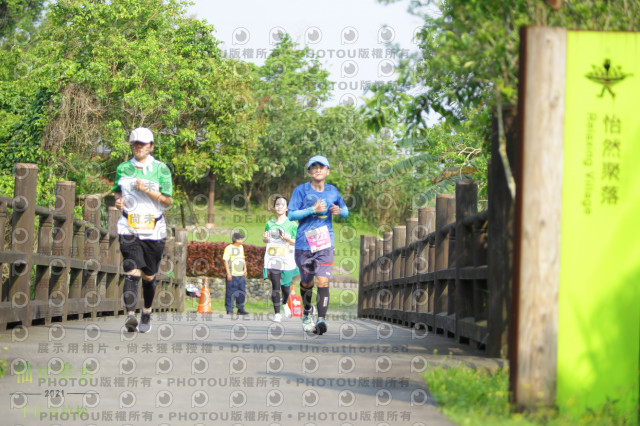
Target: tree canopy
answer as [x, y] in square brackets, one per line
[468, 63]
[97, 69]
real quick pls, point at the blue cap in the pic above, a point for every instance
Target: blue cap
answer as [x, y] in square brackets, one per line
[318, 159]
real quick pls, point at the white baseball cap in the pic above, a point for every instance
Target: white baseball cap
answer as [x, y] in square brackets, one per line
[141, 134]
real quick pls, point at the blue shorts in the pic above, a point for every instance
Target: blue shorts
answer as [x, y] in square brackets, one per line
[317, 264]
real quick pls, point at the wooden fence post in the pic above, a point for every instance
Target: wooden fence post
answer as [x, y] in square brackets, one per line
[22, 235]
[500, 228]
[399, 234]
[409, 267]
[168, 285]
[181, 266]
[89, 291]
[370, 261]
[114, 290]
[426, 224]
[62, 242]
[445, 204]
[77, 272]
[480, 286]
[43, 274]
[466, 205]
[379, 259]
[362, 285]
[387, 248]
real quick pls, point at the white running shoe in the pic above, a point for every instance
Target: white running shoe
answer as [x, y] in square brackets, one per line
[277, 317]
[307, 321]
[287, 311]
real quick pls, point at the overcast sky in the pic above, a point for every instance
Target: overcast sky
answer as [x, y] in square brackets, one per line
[350, 37]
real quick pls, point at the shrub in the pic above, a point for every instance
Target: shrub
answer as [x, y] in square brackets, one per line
[205, 259]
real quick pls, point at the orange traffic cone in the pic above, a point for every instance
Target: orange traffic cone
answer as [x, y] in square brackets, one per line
[204, 305]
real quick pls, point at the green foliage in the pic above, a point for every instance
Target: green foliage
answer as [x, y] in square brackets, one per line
[94, 70]
[3, 365]
[18, 14]
[478, 397]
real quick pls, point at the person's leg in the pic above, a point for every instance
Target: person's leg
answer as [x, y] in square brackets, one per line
[306, 294]
[241, 293]
[148, 293]
[133, 261]
[304, 261]
[286, 291]
[130, 297]
[322, 298]
[274, 276]
[152, 251]
[148, 290]
[323, 272]
[229, 296]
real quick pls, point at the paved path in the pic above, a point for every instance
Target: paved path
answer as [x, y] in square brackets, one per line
[195, 369]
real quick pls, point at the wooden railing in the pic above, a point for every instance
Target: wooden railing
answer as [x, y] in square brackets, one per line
[450, 269]
[431, 273]
[63, 268]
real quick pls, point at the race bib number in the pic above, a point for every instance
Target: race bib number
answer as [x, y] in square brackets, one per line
[143, 223]
[277, 250]
[318, 239]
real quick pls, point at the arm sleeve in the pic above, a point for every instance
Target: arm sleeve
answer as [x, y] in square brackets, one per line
[295, 213]
[301, 214]
[344, 210]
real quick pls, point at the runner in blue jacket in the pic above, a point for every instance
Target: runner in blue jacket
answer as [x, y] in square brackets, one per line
[313, 205]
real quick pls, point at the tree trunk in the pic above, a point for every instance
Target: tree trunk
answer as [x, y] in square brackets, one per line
[191, 211]
[212, 195]
[247, 194]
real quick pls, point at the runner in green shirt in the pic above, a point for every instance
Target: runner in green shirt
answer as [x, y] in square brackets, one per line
[279, 257]
[143, 189]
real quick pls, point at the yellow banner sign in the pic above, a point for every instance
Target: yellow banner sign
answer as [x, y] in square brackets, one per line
[599, 293]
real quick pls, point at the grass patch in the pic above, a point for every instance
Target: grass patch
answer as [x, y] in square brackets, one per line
[478, 397]
[3, 365]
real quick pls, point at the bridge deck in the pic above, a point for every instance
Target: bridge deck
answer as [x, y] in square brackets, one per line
[204, 369]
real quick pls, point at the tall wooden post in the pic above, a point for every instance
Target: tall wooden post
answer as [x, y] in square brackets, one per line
[534, 316]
